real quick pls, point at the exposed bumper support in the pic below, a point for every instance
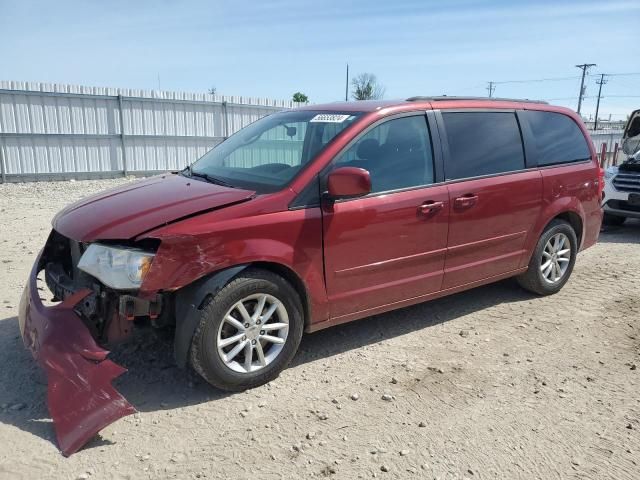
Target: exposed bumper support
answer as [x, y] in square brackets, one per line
[80, 396]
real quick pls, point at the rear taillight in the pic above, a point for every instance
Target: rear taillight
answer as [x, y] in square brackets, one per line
[601, 182]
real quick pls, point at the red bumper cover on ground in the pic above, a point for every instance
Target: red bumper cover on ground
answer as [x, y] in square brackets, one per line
[80, 396]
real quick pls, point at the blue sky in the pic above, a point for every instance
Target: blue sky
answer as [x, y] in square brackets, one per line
[276, 47]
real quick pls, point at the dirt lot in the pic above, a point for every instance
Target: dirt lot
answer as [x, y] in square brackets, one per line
[491, 383]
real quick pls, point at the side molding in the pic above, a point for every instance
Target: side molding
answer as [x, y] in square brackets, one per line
[188, 303]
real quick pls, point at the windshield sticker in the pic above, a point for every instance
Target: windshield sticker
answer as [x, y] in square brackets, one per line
[329, 118]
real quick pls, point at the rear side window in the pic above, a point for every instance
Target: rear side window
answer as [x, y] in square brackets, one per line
[482, 143]
[557, 138]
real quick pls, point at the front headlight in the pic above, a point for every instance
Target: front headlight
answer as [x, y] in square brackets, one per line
[117, 267]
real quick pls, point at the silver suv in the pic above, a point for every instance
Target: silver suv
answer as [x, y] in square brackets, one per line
[622, 183]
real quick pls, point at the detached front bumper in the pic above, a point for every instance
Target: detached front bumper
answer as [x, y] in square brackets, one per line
[80, 396]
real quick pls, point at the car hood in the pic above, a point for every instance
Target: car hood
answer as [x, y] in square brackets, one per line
[127, 211]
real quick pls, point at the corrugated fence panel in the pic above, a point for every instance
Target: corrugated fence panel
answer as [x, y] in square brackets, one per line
[66, 131]
[610, 137]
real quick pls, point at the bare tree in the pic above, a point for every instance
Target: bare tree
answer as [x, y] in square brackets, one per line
[365, 86]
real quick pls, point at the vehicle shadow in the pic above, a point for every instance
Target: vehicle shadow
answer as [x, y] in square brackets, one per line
[153, 381]
[629, 232]
[22, 385]
[341, 338]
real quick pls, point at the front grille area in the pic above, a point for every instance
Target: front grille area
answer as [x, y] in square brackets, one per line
[623, 205]
[627, 182]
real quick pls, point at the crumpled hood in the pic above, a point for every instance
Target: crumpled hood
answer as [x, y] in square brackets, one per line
[129, 210]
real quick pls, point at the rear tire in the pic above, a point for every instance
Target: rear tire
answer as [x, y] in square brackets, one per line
[612, 220]
[223, 341]
[551, 265]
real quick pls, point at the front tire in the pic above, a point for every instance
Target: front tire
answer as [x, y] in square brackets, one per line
[249, 332]
[552, 261]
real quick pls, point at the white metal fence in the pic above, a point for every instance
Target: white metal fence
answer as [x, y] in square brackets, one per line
[613, 141]
[50, 131]
[610, 137]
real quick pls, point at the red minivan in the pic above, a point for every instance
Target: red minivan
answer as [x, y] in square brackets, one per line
[306, 219]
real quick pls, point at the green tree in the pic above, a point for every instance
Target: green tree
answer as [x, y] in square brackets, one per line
[300, 97]
[365, 86]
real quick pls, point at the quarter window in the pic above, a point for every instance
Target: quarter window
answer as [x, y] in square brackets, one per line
[557, 138]
[396, 153]
[482, 143]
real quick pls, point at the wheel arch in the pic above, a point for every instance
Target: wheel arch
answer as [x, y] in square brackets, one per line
[570, 212]
[573, 219]
[191, 299]
[296, 282]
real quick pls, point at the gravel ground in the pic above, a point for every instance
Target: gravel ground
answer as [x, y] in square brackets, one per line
[490, 383]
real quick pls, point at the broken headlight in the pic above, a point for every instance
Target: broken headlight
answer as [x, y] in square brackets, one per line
[117, 267]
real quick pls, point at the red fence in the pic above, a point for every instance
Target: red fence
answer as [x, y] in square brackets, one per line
[608, 158]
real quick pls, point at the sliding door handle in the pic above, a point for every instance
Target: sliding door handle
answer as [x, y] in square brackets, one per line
[466, 201]
[430, 207]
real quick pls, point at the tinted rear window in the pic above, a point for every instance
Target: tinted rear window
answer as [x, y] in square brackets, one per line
[482, 143]
[557, 138]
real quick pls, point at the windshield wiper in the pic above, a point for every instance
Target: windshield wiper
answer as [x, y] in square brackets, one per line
[209, 178]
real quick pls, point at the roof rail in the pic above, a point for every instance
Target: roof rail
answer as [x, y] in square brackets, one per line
[442, 98]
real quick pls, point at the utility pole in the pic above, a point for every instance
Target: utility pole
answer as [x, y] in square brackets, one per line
[600, 82]
[346, 86]
[584, 67]
[491, 88]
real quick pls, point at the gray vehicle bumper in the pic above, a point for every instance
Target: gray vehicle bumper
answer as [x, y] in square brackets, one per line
[620, 208]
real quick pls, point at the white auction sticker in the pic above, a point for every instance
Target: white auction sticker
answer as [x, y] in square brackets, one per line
[329, 118]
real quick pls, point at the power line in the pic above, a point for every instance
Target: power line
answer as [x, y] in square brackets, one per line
[566, 98]
[552, 79]
[622, 74]
[584, 67]
[592, 96]
[557, 79]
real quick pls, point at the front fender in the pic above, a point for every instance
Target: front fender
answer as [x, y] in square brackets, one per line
[189, 303]
[203, 245]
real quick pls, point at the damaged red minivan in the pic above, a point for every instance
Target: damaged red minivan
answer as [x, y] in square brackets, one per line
[306, 219]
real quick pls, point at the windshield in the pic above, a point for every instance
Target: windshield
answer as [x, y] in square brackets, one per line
[269, 153]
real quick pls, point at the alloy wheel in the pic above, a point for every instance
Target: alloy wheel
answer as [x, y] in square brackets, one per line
[252, 333]
[556, 257]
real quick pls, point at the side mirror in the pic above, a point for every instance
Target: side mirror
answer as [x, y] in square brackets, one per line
[348, 182]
